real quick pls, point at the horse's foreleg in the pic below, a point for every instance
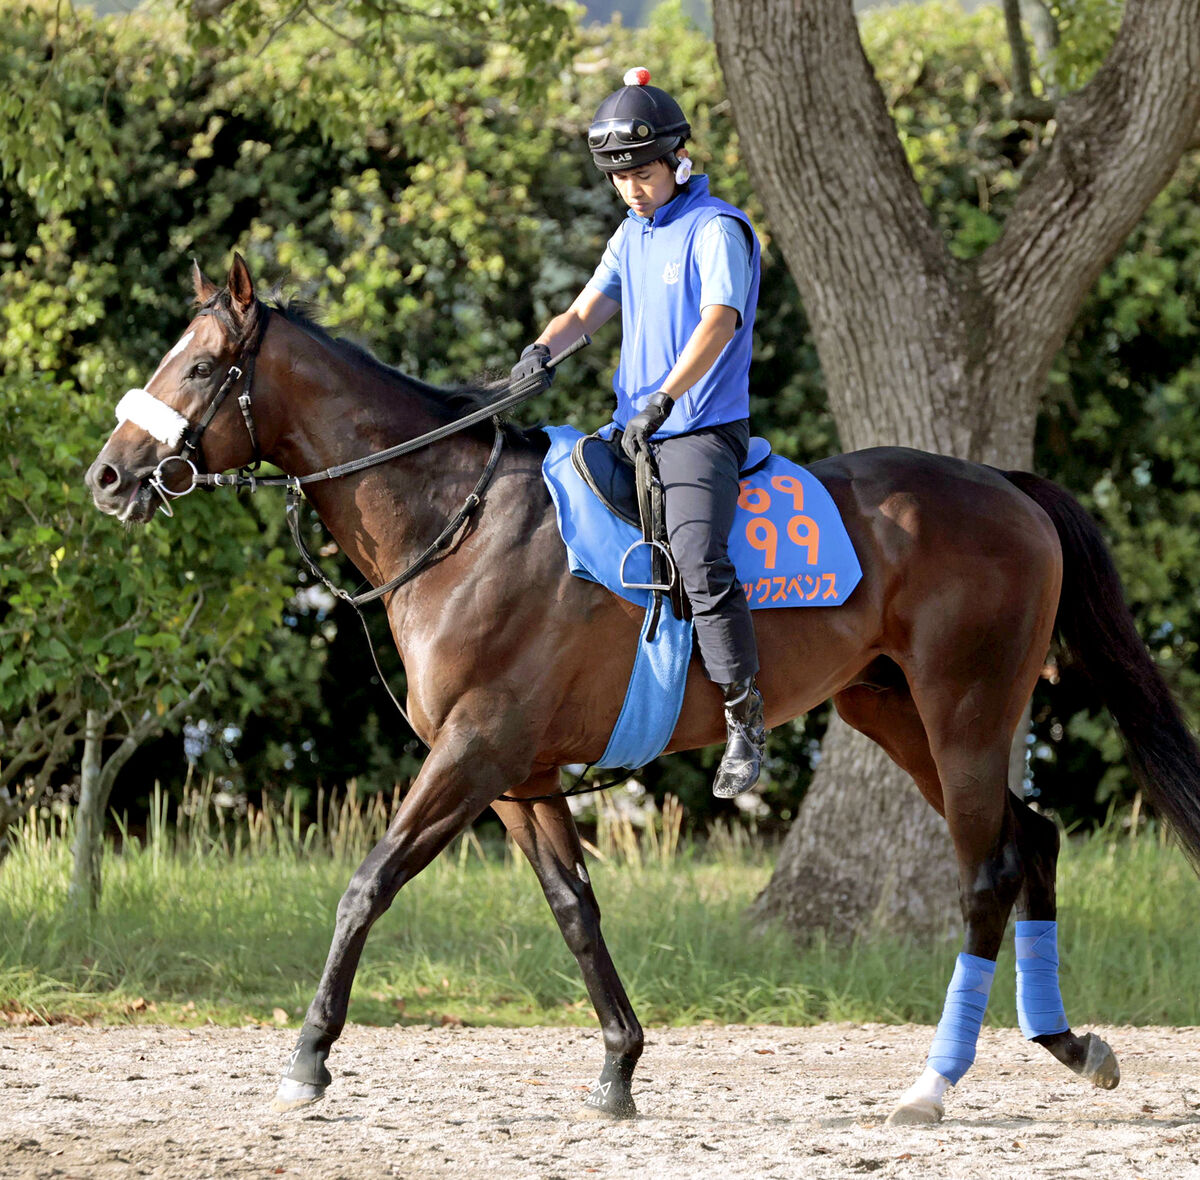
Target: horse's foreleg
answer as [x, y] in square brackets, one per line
[1040, 1007]
[546, 833]
[456, 783]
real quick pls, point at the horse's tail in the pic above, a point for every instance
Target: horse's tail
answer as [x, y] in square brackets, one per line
[1096, 627]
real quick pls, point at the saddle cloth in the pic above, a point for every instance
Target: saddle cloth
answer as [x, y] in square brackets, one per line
[788, 545]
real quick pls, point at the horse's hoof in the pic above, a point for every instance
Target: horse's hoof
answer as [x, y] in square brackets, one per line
[607, 1101]
[293, 1095]
[1100, 1066]
[920, 1112]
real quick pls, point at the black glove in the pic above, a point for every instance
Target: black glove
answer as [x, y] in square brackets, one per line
[533, 361]
[645, 423]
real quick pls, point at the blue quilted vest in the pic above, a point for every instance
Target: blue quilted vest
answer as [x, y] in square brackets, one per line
[660, 309]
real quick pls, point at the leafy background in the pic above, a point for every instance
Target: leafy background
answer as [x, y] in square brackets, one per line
[438, 202]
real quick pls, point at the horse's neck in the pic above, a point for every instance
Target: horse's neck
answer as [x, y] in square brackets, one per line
[383, 516]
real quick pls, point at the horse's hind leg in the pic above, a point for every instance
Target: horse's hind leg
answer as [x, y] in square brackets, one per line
[974, 783]
[1039, 1002]
[970, 720]
[545, 832]
[887, 714]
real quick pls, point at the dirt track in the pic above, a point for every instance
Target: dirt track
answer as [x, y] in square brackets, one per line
[714, 1101]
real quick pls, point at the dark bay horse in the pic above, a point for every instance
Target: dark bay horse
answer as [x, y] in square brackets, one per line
[515, 668]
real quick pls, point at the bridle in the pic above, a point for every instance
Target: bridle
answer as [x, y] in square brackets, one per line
[245, 478]
[190, 438]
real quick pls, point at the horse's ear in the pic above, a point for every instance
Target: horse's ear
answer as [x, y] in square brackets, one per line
[241, 287]
[204, 287]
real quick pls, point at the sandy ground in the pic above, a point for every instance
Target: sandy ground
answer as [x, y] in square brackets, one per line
[714, 1101]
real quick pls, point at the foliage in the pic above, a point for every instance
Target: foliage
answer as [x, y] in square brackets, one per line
[92, 619]
[944, 75]
[1121, 427]
[447, 224]
[454, 249]
[1086, 32]
[74, 86]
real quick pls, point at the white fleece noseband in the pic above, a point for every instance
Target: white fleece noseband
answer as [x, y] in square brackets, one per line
[156, 418]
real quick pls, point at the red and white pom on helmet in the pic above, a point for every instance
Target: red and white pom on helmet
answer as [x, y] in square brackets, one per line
[638, 76]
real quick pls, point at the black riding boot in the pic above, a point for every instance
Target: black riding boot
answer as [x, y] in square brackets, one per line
[746, 736]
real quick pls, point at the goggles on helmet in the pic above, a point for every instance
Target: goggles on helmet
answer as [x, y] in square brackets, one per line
[627, 132]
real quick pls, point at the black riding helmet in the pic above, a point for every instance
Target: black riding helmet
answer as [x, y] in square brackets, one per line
[636, 125]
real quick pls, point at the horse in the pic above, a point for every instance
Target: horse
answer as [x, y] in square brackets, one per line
[515, 668]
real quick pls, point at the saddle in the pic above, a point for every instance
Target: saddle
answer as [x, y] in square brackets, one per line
[635, 494]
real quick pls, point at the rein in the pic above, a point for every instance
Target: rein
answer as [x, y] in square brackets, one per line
[245, 478]
[518, 393]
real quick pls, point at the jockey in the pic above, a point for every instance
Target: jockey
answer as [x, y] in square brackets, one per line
[683, 270]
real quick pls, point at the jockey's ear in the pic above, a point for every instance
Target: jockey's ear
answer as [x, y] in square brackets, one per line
[241, 288]
[204, 287]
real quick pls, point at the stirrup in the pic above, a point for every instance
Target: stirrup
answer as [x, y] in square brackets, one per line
[660, 587]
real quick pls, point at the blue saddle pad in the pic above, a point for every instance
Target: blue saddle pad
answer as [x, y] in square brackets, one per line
[788, 543]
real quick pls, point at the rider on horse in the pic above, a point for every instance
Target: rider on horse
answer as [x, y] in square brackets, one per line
[683, 270]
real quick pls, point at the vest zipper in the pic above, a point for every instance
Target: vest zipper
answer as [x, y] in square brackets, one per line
[637, 330]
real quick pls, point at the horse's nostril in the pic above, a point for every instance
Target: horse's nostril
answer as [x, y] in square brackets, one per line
[106, 476]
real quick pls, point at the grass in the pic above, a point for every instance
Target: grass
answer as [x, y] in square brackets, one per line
[208, 919]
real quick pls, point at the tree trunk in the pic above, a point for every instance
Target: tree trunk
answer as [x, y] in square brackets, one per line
[96, 780]
[831, 877]
[920, 349]
[88, 848]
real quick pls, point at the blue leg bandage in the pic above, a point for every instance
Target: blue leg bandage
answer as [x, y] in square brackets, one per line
[1039, 1002]
[953, 1048]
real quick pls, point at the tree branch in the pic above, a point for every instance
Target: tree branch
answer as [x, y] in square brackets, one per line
[47, 740]
[1024, 104]
[332, 28]
[209, 9]
[281, 24]
[148, 725]
[194, 615]
[1118, 142]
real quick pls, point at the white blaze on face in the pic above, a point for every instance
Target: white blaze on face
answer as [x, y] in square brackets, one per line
[155, 417]
[187, 339]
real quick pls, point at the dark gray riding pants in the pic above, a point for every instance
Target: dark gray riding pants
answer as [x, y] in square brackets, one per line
[699, 473]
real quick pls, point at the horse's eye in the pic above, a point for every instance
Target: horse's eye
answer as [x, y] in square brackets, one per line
[202, 369]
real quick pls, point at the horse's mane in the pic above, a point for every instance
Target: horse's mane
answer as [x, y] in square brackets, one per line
[456, 401]
[459, 400]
